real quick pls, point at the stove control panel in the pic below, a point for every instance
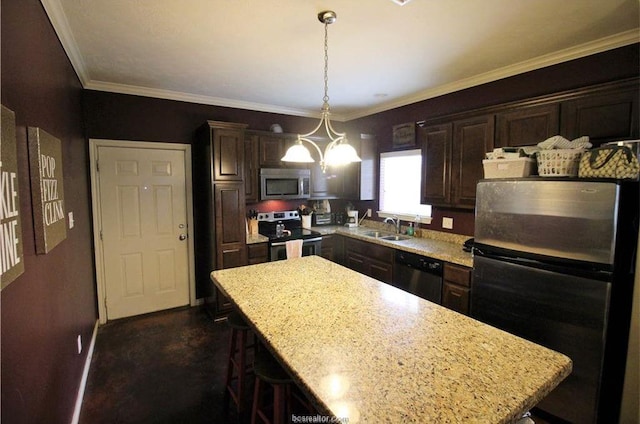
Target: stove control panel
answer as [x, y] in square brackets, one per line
[278, 216]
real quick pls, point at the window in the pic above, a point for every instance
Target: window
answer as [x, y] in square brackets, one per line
[400, 176]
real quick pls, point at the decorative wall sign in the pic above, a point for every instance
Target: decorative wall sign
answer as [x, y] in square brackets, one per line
[47, 189]
[404, 135]
[11, 260]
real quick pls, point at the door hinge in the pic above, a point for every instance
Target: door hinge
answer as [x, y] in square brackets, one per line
[97, 166]
[101, 235]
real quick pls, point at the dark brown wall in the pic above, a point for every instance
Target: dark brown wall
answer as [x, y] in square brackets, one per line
[47, 307]
[126, 117]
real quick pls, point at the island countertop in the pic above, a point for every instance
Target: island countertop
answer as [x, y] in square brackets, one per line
[370, 352]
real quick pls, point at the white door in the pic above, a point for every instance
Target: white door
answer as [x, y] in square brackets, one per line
[143, 214]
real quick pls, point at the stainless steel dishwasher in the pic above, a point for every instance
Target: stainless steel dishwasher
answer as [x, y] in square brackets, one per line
[418, 275]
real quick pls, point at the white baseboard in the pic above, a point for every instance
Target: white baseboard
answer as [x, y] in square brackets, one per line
[85, 374]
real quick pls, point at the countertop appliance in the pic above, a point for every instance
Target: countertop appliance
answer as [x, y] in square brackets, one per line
[322, 218]
[352, 219]
[554, 263]
[281, 227]
[284, 183]
[418, 275]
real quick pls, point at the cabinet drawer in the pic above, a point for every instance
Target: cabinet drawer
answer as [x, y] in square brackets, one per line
[457, 274]
[257, 253]
[370, 250]
[455, 298]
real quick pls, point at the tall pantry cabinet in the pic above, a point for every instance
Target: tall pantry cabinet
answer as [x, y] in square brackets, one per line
[219, 204]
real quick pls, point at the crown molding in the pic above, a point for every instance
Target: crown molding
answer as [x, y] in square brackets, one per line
[58, 19]
[194, 98]
[608, 43]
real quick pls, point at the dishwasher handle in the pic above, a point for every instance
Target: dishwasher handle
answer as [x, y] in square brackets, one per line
[421, 263]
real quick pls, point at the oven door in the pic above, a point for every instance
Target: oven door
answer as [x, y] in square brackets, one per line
[278, 250]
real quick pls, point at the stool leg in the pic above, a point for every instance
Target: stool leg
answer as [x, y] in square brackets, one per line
[227, 382]
[256, 401]
[289, 403]
[279, 400]
[241, 370]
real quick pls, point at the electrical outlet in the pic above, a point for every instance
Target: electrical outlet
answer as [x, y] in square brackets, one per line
[71, 221]
[447, 223]
[368, 213]
[79, 344]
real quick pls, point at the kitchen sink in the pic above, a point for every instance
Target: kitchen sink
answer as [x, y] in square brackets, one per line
[395, 238]
[376, 234]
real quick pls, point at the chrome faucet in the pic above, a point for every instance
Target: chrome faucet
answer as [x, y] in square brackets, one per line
[395, 221]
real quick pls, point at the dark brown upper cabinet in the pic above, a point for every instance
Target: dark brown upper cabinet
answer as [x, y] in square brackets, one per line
[608, 116]
[527, 125]
[271, 149]
[453, 146]
[228, 150]
[359, 181]
[452, 154]
[435, 142]
[251, 168]
[472, 138]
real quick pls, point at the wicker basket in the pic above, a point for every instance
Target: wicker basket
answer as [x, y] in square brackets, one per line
[559, 162]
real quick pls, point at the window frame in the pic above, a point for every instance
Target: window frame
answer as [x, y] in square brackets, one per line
[402, 216]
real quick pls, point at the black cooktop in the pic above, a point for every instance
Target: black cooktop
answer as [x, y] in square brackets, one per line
[268, 221]
[296, 233]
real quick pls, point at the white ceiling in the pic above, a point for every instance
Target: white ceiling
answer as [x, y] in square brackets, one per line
[267, 55]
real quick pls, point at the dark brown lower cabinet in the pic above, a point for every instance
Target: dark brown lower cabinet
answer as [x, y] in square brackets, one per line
[456, 289]
[369, 259]
[328, 247]
[257, 253]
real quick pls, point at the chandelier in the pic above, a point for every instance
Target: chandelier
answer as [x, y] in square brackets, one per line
[338, 151]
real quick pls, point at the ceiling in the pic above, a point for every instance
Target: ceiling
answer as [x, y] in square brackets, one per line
[267, 55]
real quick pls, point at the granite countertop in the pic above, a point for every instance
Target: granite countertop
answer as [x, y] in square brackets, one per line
[435, 244]
[256, 238]
[368, 351]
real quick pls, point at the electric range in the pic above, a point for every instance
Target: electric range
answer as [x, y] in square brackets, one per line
[284, 226]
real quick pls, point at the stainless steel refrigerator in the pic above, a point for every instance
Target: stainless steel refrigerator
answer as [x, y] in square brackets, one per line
[554, 263]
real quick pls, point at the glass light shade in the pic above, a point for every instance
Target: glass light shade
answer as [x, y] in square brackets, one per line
[341, 154]
[298, 153]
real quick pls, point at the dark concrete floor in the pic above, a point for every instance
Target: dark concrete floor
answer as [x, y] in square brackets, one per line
[166, 367]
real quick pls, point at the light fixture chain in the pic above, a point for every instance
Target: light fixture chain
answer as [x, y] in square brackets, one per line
[326, 67]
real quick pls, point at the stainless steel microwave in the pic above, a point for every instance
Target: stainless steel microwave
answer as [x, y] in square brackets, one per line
[284, 183]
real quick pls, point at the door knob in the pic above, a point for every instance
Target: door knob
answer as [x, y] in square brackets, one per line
[182, 237]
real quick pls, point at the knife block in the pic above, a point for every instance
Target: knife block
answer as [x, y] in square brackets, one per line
[253, 226]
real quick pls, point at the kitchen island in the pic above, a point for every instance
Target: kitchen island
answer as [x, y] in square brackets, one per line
[369, 352]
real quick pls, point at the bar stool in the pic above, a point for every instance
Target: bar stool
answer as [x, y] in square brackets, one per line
[237, 365]
[269, 372]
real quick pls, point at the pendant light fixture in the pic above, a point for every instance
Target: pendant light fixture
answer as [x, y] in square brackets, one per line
[338, 151]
